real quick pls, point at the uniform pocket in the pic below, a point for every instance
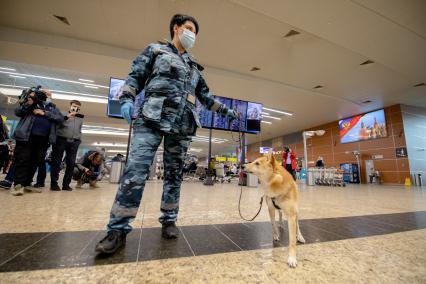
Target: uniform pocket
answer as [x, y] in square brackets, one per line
[188, 123]
[152, 108]
[164, 63]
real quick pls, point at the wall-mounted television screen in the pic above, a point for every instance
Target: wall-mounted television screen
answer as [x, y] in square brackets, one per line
[250, 113]
[366, 126]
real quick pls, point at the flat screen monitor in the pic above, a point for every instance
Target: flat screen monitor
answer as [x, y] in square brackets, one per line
[115, 89]
[366, 126]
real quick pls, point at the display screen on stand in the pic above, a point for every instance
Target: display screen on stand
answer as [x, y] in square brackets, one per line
[250, 116]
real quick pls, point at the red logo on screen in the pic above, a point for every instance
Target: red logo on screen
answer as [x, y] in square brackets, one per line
[348, 125]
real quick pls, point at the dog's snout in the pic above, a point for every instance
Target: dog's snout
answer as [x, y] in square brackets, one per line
[243, 167]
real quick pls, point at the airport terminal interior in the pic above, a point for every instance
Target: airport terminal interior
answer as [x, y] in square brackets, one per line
[213, 141]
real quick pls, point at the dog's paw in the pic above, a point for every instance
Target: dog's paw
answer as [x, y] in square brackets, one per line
[301, 239]
[292, 262]
[276, 236]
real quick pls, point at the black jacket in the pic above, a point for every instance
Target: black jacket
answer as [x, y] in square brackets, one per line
[25, 112]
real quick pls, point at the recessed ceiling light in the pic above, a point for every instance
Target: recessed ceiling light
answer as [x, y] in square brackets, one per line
[7, 69]
[267, 122]
[86, 80]
[318, 87]
[420, 84]
[255, 69]
[63, 19]
[16, 76]
[367, 62]
[292, 33]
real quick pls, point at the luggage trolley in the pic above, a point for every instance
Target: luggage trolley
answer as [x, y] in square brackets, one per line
[338, 178]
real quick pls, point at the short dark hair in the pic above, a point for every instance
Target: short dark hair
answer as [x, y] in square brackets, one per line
[179, 20]
[75, 102]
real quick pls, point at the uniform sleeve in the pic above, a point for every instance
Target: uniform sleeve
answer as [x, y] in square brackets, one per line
[202, 92]
[140, 71]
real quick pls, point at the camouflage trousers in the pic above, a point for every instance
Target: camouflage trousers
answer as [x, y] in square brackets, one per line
[145, 142]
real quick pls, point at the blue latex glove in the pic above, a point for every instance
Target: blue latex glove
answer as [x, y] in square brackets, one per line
[127, 111]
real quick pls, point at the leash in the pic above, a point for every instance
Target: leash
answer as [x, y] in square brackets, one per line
[241, 186]
[239, 207]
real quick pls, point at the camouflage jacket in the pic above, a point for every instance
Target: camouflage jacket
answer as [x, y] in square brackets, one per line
[172, 82]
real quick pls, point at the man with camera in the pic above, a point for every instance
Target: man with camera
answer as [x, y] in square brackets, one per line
[36, 129]
[68, 140]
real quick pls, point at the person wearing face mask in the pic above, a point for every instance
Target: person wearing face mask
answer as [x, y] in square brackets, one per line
[36, 129]
[172, 81]
[68, 141]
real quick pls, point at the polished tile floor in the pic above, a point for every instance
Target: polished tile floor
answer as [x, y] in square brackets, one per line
[354, 234]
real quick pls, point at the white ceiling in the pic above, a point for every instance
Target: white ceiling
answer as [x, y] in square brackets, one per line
[336, 36]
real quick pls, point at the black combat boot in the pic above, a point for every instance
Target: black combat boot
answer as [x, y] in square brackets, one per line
[112, 242]
[169, 230]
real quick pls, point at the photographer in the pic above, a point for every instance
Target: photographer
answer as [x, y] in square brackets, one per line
[68, 141]
[88, 169]
[36, 129]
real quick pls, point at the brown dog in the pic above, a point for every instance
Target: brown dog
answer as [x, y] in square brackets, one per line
[281, 194]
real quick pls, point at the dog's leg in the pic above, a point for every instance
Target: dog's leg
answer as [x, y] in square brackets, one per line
[271, 209]
[292, 221]
[300, 238]
[281, 223]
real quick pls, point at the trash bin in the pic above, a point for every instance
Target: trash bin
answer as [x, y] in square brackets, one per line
[419, 181]
[252, 180]
[117, 168]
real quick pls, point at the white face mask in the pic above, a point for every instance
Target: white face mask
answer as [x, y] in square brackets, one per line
[187, 39]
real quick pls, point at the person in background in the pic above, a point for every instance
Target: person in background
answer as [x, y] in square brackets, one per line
[88, 169]
[4, 149]
[8, 180]
[11, 148]
[234, 169]
[289, 161]
[68, 141]
[118, 158]
[319, 163]
[36, 129]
